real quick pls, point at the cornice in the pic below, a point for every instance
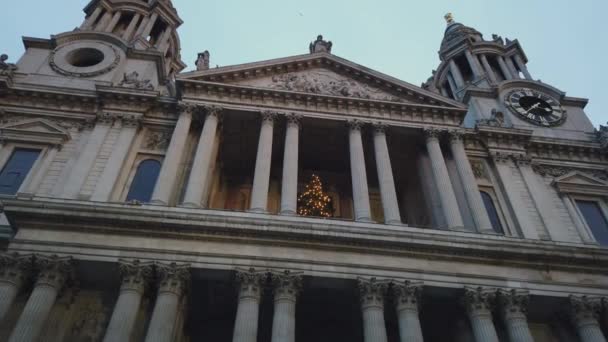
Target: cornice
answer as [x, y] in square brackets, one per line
[122, 219]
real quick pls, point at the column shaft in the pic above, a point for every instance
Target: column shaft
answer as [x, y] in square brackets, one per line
[149, 25]
[359, 174]
[503, 67]
[197, 190]
[514, 305]
[512, 68]
[113, 22]
[91, 19]
[474, 63]
[584, 313]
[456, 74]
[452, 84]
[103, 22]
[441, 176]
[488, 68]
[286, 288]
[372, 294]
[483, 327]
[8, 293]
[518, 329]
[407, 297]
[385, 178]
[471, 190]
[247, 312]
[261, 178]
[128, 34]
[289, 188]
[173, 157]
[124, 316]
[479, 303]
[522, 66]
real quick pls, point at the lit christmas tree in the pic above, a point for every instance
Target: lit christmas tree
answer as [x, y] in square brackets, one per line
[313, 201]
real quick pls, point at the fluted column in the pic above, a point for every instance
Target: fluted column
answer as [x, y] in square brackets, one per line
[469, 184]
[522, 66]
[441, 176]
[504, 68]
[173, 157]
[54, 272]
[250, 291]
[456, 74]
[289, 188]
[173, 282]
[261, 177]
[286, 286]
[474, 63]
[197, 189]
[407, 303]
[488, 68]
[513, 308]
[14, 269]
[584, 312]
[358, 173]
[135, 277]
[385, 176]
[479, 303]
[372, 294]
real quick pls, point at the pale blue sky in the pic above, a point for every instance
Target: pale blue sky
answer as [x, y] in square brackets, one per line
[565, 40]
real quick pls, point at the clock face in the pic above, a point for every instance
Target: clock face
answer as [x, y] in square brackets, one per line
[536, 107]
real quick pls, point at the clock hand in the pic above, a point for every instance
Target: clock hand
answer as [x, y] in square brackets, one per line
[534, 106]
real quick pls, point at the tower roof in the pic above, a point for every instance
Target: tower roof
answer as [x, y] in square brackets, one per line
[456, 33]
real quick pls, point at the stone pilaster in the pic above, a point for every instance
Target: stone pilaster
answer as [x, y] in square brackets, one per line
[407, 303]
[251, 284]
[358, 173]
[286, 286]
[53, 274]
[261, 177]
[289, 188]
[135, 279]
[372, 294]
[167, 177]
[385, 176]
[447, 197]
[14, 270]
[479, 303]
[173, 282]
[584, 312]
[197, 189]
[513, 309]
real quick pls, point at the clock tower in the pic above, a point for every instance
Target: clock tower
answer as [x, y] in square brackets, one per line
[492, 78]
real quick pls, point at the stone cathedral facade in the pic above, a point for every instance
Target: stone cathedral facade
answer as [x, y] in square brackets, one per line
[143, 203]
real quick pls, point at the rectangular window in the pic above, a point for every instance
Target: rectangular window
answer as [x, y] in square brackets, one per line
[16, 169]
[595, 219]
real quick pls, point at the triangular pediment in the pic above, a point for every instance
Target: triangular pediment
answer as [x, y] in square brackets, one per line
[34, 125]
[581, 183]
[577, 177]
[322, 74]
[34, 131]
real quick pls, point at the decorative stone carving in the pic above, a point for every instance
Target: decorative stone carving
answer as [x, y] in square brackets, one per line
[513, 302]
[558, 171]
[293, 118]
[479, 169]
[135, 275]
[479, 299]
[214, 110]
[132, 80]
[269, 116]
[202, 62]
[602, 137]
[372, 291]
[497, 119]
[6, 68]
[186, 107]
[584, 310]
[15, 268]
[251, 283]
[60, 64]
[455, 135]
[90, 322]
[380, 127]
[173, 278]
[286, 285]
[320, 45]
[356, 125]
[432, 133]
[407, 294]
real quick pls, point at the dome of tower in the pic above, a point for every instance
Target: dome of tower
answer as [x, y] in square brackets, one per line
[456, 32]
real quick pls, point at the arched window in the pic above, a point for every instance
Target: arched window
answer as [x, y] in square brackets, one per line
[144, 181]
[492, 212]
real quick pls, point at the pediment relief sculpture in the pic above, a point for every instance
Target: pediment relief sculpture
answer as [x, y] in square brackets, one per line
[132, 80]
[322, 82]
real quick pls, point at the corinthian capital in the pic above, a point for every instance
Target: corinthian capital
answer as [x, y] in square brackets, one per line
[251, 283]
[584, 310]
[269, 116]
[186, 107]
[15, 268]
[372, 291]
[513, 302]
[173, 278]
[135, 275]
[293, 118]
[432, 133]
[286, 285]
[407, 294]
[479, 300]
[456, 136]
[54, 271]
[213, 110]
[355, 125]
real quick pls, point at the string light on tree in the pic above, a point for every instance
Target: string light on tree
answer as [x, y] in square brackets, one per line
[313, 201]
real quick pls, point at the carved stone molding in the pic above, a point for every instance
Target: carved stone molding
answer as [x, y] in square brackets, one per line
[286, 285]
[558, 171]
[456, 136]
[407, 295]
[431, 133]
[189, 108]
[479, 169]
[584, 310]
[132, 80]
[522, 160]
[54, 271]
[173, 278]
[479, 300]
[15, 268]
[372, 292]
[6, 69]
[294, 119]
[513, 302]
[380, 127]
[251, 283]
[320, 45]
[356, 125]
[157, 140]
[213, 110]
[135, 275]
[268, 116]
[602, 137]
[58, 59]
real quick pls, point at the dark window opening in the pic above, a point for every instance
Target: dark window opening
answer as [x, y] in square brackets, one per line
[16, 169]
[157, 30]
[492, 212]
[492, 60]
[592, 212]
[465, 68]
[144, 181]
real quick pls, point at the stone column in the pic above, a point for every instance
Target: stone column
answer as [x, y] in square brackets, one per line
[54, 272]
[358, 173]
[113, 22]
[286, 287]
[173, 157]
[107, 180]
[584, 312]
[522, 66]
[385, 176]
[407, 301]
[135, 279]
[91, 19]
[469, 184]
[456, 74]
[479, 302]
[474, 63]
[103, 22]
[251, 285]
[504, 68]
[488, 68]
[452, 84]
[14, 270]
[173, 282]
[129, 31]
[289, 187]
[513, 307]
[372, 294]
[261, 177]
[197, 189]
[149, 25]
[441, 176]
[512, 68]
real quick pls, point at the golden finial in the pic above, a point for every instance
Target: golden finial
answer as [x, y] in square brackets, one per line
[449, 18]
